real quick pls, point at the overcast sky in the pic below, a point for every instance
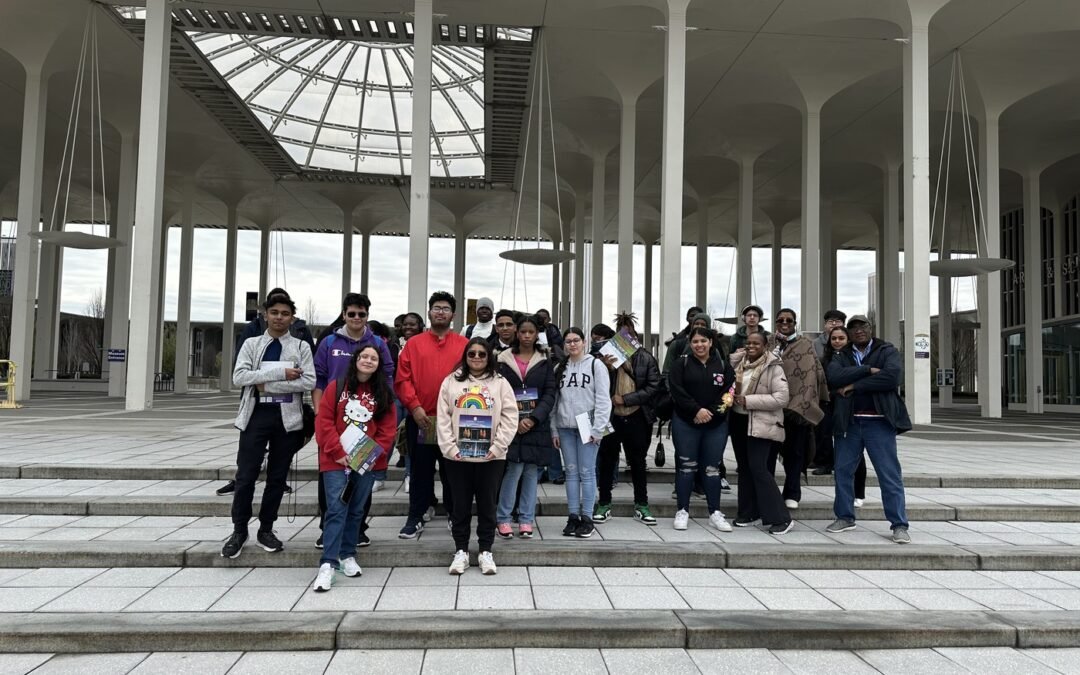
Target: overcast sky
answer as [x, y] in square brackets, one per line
[309, 266]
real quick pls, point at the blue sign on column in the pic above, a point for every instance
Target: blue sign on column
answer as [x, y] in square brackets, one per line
[117, 355]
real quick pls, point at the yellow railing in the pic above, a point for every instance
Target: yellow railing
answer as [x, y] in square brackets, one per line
[8, 383]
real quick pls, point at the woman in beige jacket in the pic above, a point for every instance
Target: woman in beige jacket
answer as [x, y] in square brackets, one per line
[761, 392]
[476, 422]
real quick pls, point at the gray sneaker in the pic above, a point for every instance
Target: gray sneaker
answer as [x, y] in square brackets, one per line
[900, 535]
[840, 525]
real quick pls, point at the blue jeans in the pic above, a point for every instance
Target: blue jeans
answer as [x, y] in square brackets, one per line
[579, 463]
[341, 524]
[878, 437]
[526, 474]
[700, 451]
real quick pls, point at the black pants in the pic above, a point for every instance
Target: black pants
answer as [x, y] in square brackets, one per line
[793, 451]
[758, 495]
[823, 440]
[425, 457]
[634, 435]
[469, 481]
[860, 478]
[264, 430]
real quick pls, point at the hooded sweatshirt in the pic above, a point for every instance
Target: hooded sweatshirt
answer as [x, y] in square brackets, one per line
[336, 350]
[484, 407]
[584, 387]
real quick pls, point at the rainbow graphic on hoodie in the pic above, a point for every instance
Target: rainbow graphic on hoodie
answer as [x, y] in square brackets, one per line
[475, 398]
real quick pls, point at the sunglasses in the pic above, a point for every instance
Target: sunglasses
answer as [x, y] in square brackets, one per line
[477, 355]
[355, 315]
[785, 321]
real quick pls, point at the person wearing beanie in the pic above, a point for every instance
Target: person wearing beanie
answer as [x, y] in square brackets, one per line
[484, 326]
[751, 316]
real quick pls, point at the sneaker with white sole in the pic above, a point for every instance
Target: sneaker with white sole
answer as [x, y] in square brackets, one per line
[406, 485]
[379, 484]
[324, 579]
[460, 563]
[858, 503]
[717, 520]
[900, 535]
[840, 525]
[429, 514]
[351, 568]
[791, 503]
[682, 518]
[782, 528]
[487, 563]
[724, 485]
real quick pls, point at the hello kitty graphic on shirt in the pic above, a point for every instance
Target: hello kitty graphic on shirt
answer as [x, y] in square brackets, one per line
[359, 410]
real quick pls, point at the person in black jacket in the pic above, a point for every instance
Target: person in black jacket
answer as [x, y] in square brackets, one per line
[257, 326]
[532, 375]
[701, 389]
[868, 413]
[837, 340]
[634, 385]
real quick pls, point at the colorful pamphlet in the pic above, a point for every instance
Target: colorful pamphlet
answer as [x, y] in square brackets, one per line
[621, 347]
[526, 401]
[363, 452]
[474, 435]
[427, 437]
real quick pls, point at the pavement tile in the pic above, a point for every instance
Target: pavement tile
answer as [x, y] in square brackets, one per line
[19, 664]
[294, 663]
[1065, 599]
[1025, 580]
[417, 598]
[104, 521]
[713, 578]
[563, 576]
[27, 599]
[507, 576]
[136, 534]
[995, 660]
[494, 597]
[187, 663]
[206, 576]
[133, 576]
[908, 661]
[737, 662]
[1005, 599]
[573, 597]
[636, 661]
[559, 662]
[340, 597]
[1066, 660]
[397, 661]
[645, 597]
[95, 599]
[455, 661]
[939, 598]
[8, 575]
[404, 577]
[55, 576]
[831, 579]
[258, 599]
[791, 598]
[280, 576]
[631, 576]
[896, 579]
[718, 598]
[864, 598]
[823, 661]
[766, 578]
[178, 599]
[90, 664]
[956, 579]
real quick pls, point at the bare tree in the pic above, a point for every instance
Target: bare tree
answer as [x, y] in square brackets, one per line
[311, 312]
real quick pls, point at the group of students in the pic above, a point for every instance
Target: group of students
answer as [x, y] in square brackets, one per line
[490, 408]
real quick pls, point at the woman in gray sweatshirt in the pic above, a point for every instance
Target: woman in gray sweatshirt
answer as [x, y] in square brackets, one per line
[583, 390]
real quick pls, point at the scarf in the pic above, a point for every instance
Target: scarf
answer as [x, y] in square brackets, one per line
[748, 373]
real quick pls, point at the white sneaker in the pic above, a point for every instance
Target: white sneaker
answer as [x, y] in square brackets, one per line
[379, 484]
[716, 519]
[461, 563]
[350, 568]
[487, 563]
[682, 518]
[791, 503]
[406, 486]
[858, 503]
[324, 578]
[429, 514]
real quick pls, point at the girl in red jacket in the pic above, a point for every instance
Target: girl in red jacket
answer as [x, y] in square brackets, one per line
[365, 404]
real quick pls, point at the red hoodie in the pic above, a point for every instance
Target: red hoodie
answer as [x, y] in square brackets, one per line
[330, 422]
[423, 364]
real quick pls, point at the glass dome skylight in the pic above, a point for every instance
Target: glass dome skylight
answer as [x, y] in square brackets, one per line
[347, 105]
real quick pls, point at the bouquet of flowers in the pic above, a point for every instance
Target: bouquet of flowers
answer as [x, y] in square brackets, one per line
[727, 400]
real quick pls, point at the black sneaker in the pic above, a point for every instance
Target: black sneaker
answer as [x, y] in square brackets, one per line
[821, 471]
[782, 528]
[288, 489]
[226, 489]
[411, 530]
[318, 542]
[559, 481]
[234, 545]
[584, 529]
[571, 526]
[745, 522]
[269, 541]
[364, 541]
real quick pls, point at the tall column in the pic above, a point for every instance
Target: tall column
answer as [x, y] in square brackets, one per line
[346, 251]
[159, 308]
[579, 266]
[553, 310]
[459, 278]
[365, 262]
[264, 260]
[671, 179]
[989, 286]
[889, 299]
[810, 302]
[647, 329]
[228, 314]
[50, 265]
[183, 295]
[945, 327]
[420, 189]
[744, 276]
[702, 269]
[596, 304]
[149, 192]
[21, 344]
[1059, 258]
[917, 224]
[627, 150]
[778, 270]
[827, 280]
[1033, 282]
[120, 291]
[564, 285]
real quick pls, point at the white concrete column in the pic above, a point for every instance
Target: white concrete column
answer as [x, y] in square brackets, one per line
[810, 302]
[744, 274]
[159, 309]
[917, 221]
[671, 179]
[579, 266]
[120, 290]
[596, 303]
[1059, 258]
[553, 309]
[989, 287]
[264, 260]
[778, 270]
[459, 279]
[702, 268]
[46, 330]
[1033, 282]
[420, 188]
[182, 364]
[945, 327]
[627, 150]
[647, 318]
[564, 284]
[149, 193]
[21, 344]
[346, 251]
[889, 299]
[228, 314]
[365, 262]
[827, 280]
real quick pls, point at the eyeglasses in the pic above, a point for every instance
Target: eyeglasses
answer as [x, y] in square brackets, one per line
[476, 355]
[441, 310]
[779, 321]
[355, 315]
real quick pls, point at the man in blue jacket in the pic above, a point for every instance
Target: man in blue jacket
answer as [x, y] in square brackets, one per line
[868, 413]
